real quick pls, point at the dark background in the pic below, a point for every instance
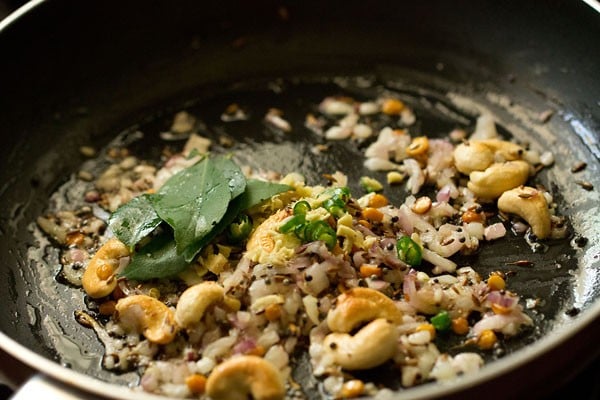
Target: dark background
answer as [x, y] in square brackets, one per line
[583, 385]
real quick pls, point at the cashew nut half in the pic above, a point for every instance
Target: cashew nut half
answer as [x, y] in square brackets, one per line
[373, 345]
[529, 204]
[504, 150]
[99, 277]
[477, 155]
[498, 178]
[148, 316]
[359, 305]
[244, 377]
[267, 245]
[194, 301]
[472, 156]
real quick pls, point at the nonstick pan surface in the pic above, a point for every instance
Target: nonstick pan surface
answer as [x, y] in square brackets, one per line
[80, 74]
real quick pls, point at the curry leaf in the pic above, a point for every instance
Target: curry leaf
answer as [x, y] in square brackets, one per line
[157, 259]
[232, 211]
[194, 200]
[258, 191]
[234, 175]
[134, 220]
[199, 203]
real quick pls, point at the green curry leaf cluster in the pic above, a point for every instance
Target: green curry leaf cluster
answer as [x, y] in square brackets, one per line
[191, 209]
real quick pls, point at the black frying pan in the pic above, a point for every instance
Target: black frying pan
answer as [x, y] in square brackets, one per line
[76, 73]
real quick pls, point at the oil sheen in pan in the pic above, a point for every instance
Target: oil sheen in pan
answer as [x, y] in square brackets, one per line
[257, 144]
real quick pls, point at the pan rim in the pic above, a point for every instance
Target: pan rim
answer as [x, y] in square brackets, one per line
[18, 13]
[496, 369]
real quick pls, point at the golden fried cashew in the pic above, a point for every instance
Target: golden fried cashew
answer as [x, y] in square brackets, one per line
[477, 155]
[244, 377]
[195, 300]
[262, 237]
[504, 150]
[373, 345]
[359, 305]
[472, 156]
[148, 316]
[99, 277]
[529, 204]
[267, 245]
[498, 178]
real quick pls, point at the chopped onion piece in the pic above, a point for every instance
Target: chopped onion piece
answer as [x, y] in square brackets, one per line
[495, 231]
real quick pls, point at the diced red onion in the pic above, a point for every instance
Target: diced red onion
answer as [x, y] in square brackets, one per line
[519, 227]
[467, 362]
[364, 230]
[443, 195]
[149, 381]
[413, 220]
[77, 255]
[441, 264]
[316, 279]
[446, 242]
[244, 346]
[100, 213]
[379, 254]
[358, 258]
[405, 222]
[390, 145]
[241, 320]
[418, 297]
[333, 106]
[494, 231]
[504, 300]
[179, 372]
[338, 133]
[416, 177]
[377, 284]
[380, 164]
[274, 118]
[277, 356]
[508, 324]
